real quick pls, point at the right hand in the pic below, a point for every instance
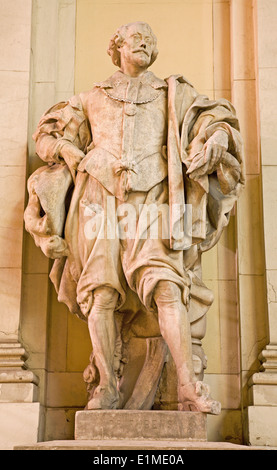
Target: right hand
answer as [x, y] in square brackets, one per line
[72, 157]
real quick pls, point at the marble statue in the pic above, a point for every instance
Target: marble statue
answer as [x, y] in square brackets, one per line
[137, 153]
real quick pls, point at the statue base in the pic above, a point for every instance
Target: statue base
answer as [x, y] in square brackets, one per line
[137, 430]
[139, 425]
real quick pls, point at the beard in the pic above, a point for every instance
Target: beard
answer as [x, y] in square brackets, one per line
[138, 57]
[141, 58]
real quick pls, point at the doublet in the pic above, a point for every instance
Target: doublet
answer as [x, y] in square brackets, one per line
[128, 121]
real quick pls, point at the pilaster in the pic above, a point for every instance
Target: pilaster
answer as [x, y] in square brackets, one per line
[250, 251]
[262, 415]
[19, 409]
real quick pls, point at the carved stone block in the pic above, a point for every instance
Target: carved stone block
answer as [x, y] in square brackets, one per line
[135, 424]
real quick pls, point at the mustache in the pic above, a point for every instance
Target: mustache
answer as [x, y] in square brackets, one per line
[141, 50]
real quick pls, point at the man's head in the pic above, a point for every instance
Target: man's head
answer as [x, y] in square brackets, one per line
[135, 43]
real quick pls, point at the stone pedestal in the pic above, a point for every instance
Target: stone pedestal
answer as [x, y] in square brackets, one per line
[140, 425]
[124, 430]
[132, 430]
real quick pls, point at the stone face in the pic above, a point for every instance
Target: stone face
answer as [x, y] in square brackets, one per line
[127, 424]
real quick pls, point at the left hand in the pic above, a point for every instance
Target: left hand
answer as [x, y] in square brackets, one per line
[215, 148]
[210, 156]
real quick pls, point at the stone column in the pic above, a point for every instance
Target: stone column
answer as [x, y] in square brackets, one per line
[52, 80]
[251, 266]
[19, 413]
[37, 70]
[262, 415]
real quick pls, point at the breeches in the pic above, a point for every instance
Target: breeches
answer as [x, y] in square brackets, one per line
[121, 244]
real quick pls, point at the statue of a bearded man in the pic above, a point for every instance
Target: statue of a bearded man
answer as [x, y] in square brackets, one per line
[172, 160]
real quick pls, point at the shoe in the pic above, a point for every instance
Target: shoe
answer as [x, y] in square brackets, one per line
[104, 398]
[196, 397]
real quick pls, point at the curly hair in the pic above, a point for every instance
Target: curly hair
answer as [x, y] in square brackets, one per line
[118, 39]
